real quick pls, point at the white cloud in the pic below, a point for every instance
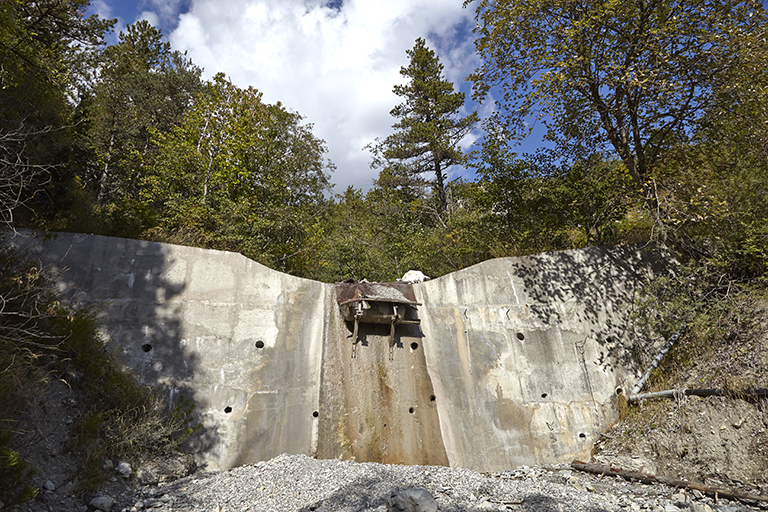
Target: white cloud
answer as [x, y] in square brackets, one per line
[335, 67]
[101, 8]
[164, 12]
[150, 16]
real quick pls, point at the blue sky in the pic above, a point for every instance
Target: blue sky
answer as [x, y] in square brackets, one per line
[333, 61]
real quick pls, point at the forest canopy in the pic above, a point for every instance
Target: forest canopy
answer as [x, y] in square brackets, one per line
[657, 112]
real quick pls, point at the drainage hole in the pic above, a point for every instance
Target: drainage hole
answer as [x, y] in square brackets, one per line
[259, 344]
[583, 435]
[520, 336]
[146, 347]
[619, 391]
[543, 395]
[227, 409]
[315, 414]
[431, 398]
[414, 345]
[411, 410]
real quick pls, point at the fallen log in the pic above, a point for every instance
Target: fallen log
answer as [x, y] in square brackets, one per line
[599, 469]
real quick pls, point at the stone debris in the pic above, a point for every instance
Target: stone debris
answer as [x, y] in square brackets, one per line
[103, 503]
[124, 469]
[165, 470]
[411, 500]
[294, 483]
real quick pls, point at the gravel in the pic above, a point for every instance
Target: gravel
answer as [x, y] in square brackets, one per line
[298, 483]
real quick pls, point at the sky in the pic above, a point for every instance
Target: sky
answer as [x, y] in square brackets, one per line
[333, 61]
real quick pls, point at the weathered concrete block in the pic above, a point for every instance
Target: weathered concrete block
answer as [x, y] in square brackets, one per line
[515, 360]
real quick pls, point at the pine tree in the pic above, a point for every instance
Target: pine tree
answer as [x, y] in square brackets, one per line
[430, 127]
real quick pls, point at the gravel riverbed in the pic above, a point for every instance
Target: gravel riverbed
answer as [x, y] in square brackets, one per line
[298, 483]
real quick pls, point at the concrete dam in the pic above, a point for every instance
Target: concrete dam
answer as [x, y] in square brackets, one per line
[514, 361]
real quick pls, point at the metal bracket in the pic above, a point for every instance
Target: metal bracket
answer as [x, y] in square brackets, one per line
[393, 322]
[358, 315]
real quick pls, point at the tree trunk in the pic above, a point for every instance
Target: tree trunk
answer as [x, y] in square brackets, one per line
[440, 186]
[101, 199]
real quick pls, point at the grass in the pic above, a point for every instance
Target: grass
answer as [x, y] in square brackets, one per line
[42, 340]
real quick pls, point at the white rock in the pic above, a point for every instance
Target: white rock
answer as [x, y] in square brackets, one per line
[49, 486]
[103, 503]
[411, 500]
[414, 276]
[124, 469]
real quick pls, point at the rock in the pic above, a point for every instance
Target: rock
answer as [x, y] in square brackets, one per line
[103, 503]
[107, 465]
[411, 500]
[165, 470]
[49, 486]
[124, 469]
[414, 276]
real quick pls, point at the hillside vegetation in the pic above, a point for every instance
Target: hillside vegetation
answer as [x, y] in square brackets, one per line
[658, 117]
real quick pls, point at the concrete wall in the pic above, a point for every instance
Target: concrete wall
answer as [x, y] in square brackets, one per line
[516, 361]
[241, 340]
[526, 354]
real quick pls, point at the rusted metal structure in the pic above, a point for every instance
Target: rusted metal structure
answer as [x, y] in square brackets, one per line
[377, 303]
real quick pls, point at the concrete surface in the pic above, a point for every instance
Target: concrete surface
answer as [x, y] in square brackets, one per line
[526, 354]
[516, 361]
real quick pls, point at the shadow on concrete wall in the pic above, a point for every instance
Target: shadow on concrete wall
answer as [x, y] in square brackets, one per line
[404, 334]
[604, 282]
[135, 287]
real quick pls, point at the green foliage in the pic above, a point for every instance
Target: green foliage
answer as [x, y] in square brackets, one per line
[536, 204]
[724, 318]
[634, 77]
[129, 423]
[15, 475]
[429, 129]
[143, 87]
[40, 338]
[43, 48]
[238, 174]
[714, 185]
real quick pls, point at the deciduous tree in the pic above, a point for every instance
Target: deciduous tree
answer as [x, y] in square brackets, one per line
[143, 86]
[631, 76]
[44, 45]
[239, 174]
